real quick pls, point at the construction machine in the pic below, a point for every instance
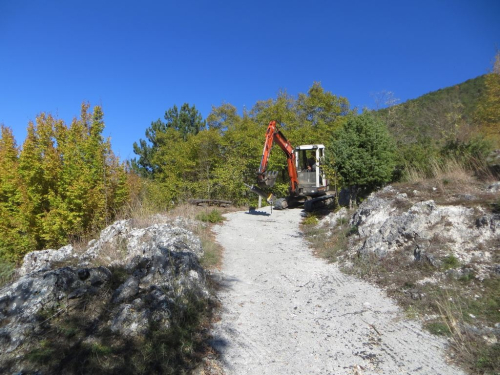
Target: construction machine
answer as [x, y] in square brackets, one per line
[308, 183]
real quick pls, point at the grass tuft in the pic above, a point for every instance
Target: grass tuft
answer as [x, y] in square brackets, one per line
[7, 271]
[450, 261]
[214, 216]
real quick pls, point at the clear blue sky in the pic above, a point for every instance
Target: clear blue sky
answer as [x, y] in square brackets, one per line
[138, 58]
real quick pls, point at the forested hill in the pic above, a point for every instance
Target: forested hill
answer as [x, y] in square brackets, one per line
[437, 114]
[467, 93]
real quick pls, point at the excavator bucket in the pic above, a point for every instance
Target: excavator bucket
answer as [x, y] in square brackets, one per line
[267, 179]
[269, 197]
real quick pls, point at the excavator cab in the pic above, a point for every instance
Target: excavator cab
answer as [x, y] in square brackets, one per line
[309, 164]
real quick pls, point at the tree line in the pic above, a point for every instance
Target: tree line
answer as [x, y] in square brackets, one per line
[65, 182]
[187, 157]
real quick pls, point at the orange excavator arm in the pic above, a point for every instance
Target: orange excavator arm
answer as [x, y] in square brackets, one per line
[264, 178]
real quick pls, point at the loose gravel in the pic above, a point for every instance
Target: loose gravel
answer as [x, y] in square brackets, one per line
[287, 312]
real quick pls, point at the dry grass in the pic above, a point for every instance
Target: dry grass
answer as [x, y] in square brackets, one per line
[450, 169]
[447, 190]
[464, 308]
[325, 245]
[213, 252]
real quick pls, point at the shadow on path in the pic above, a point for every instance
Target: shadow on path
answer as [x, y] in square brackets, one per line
[261, 213]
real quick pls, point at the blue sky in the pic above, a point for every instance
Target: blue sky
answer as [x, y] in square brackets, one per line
[138, 58]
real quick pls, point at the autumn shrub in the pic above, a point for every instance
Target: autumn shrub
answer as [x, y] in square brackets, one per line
[64, 182]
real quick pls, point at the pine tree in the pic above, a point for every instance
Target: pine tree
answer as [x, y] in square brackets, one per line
[186, 122]
[363, 153]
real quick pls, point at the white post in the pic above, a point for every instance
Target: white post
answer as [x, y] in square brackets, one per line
[260, 202]
[317, 167]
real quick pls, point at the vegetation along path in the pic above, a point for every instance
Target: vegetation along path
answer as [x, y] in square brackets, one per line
[288, 312]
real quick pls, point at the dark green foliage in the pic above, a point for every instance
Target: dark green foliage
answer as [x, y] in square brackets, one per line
[187, 121]
[363, 153]
[416, 156]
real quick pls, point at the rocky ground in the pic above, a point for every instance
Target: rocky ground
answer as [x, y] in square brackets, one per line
[128, 302]
[123, 302]
[286, 311]
[435, 249]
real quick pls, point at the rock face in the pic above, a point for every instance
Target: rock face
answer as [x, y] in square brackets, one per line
[124, 282]
[389, 221]
[388, 224]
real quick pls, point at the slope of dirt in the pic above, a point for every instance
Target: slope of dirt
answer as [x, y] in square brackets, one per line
[287, 312]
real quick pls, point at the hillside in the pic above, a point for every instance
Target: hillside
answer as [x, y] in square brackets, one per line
[436, 114]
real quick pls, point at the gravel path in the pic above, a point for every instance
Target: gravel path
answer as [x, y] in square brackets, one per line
[287, 312]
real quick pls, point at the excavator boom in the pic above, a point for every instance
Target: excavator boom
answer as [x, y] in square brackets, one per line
[267, 179]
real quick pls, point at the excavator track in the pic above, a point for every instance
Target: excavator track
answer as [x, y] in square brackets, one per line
[325, 201]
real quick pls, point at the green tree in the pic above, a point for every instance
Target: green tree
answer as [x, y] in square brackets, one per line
[214, 161]
[33, 183]
[241, 148]
[308, 119]
[70, 181]
[321, 112]
[187, 121]
[223, 117]
[362, 153]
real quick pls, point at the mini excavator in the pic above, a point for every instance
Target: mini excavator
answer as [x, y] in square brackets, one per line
[308, 184]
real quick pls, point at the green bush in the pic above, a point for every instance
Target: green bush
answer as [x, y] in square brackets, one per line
[363, 153]
[310, 220]
[467, 152]
[213, 217]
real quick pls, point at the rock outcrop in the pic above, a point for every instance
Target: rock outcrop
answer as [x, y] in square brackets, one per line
[124, 283]
[389, 221]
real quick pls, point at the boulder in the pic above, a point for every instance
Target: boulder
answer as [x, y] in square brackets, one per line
[123, 282]
[386, 225]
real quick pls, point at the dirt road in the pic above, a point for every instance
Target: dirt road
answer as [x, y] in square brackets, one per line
[287, 312]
